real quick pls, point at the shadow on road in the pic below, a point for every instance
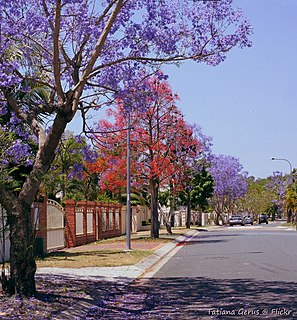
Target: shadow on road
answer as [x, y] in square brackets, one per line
[200, 298]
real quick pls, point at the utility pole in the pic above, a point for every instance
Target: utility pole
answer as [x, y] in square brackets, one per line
[128, 204]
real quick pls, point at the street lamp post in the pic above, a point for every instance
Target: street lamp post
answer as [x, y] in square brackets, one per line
[128, 204]
[287, 162]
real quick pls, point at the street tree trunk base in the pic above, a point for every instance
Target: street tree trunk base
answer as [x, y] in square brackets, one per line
[168, 228]
[21, 280]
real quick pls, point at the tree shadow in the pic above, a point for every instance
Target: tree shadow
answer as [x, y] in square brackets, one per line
[219, 235]
[55, 295]
[201, 298]
[69, 254]
[202, 230]
[178, 298]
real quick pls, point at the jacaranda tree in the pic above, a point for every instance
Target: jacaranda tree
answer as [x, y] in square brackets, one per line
[68, 177]
[230, 184]
[81, 53]
[278, 184]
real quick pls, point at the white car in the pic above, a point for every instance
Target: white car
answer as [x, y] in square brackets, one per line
[236, 220]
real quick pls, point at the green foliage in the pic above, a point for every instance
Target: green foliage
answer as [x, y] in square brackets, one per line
[291, 199]
[68, 177]
[104, 197]
[258, 198]
[165, 198]
[272, 210]
[137, 197]
[12, 175]
[200, 189]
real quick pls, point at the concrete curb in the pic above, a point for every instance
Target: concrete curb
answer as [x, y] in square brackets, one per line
[151, 261]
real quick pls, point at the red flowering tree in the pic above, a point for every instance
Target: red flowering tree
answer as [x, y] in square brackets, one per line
[162, 144]
[111, 162]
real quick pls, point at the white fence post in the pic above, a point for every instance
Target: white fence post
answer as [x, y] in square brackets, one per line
[4, 237]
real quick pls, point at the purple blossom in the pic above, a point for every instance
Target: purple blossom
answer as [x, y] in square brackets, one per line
[3, 110]
[278, 184]
[77, 170]
[171, 28]
[90, 155]
[229, 181]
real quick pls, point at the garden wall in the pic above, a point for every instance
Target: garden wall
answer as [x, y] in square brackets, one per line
[85, 222]
[88, 221]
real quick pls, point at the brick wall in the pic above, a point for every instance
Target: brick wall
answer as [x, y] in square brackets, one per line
[70, 225]
[103, 225]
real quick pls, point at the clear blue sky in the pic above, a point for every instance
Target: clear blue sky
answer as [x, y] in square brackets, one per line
[248, 104]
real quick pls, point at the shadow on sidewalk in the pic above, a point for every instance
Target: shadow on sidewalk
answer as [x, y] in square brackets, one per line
[154, 299]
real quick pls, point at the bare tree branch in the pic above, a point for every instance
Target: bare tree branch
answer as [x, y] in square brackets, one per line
[56, 59]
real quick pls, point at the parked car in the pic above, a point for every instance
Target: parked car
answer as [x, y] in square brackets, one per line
[248, 220]
[263, 218]
[236, 220]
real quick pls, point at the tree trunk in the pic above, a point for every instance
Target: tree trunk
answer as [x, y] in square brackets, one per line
[199, 218]
[22, 238]
[289, 216]
[188, 221]
[217, 219]
[22, 253]
[154, 209]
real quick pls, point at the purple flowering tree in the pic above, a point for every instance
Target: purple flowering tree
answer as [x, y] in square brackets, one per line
[278, 185]
[230, 184]
[69, 177]
[82, 54]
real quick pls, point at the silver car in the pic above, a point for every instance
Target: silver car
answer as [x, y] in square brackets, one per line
[236, 220]
[248, 220]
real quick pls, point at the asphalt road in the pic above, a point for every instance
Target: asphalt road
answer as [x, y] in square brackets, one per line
[260, 252]
[228, 273]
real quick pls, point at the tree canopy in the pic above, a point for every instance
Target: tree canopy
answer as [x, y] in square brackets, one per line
[163, 144]
[229, 183]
